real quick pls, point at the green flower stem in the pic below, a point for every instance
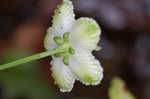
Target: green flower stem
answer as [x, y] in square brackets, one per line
[32, 58]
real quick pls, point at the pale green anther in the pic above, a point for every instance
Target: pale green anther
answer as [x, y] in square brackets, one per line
[58, 40]
[66, 36]
[71, 50]
[66, 59]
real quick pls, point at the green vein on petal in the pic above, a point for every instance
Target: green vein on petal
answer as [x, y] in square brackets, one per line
[87, 69]
[62, 75]
[86, 33]
[47, 42]
[64, 17]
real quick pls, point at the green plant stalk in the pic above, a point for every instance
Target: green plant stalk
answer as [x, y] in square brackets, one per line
[32, 58]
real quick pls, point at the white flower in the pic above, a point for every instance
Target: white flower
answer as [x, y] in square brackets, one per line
[84, 36]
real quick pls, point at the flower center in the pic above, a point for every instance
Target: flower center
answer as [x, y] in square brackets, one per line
[64, 43]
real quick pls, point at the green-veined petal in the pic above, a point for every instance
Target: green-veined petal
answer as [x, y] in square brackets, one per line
[85, 33]
[62, 22]
[64, 17]
[48, 41]
[62, 75]
[86, 68]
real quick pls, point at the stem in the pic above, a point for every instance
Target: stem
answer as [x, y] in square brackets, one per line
[31, 58]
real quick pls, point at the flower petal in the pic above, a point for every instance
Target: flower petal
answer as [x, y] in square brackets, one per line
[86, 68]
[64, 17]
[63, 20]
[62, 75]
[48, 41]
[85, 33]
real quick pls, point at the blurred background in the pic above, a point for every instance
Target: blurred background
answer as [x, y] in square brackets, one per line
[125, 42]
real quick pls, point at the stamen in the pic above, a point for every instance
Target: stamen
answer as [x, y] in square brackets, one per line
[66, 36]
[71, 50]
[66, 59]
[58, 40]
[64, 43]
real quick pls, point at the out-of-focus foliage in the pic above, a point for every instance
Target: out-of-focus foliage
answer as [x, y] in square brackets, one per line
[23, 81]
[118, 90]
